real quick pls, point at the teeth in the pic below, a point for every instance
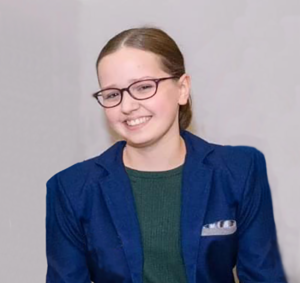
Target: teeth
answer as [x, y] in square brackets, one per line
[137, 121]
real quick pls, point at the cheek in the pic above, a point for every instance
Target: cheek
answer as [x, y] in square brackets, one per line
[111, 116]
[168, 104]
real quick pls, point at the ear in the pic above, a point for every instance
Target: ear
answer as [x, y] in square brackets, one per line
[184, 89]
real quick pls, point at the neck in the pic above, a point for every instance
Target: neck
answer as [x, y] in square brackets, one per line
[165, 155]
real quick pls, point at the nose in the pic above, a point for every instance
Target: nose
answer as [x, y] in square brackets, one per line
[128, 103]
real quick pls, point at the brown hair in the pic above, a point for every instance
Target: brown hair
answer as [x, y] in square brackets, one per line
[160, 43]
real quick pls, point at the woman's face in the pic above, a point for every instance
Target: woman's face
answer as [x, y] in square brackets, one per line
[142, 122]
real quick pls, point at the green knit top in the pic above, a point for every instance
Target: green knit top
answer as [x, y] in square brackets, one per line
[158, 201]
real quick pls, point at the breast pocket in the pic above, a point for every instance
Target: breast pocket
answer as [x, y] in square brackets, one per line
[219, 228]
[219, 239]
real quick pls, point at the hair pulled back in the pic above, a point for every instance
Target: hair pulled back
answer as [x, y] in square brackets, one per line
[160, 43]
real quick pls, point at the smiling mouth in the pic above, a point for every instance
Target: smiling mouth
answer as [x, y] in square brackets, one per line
[137, 121]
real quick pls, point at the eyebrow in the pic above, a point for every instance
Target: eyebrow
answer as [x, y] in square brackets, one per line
[130, 81]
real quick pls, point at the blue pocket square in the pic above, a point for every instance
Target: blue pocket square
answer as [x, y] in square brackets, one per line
[219, 228]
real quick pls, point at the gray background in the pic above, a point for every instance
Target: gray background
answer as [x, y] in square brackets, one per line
[243, 57]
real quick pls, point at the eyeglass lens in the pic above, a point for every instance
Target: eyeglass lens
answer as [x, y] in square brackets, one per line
[139, 90]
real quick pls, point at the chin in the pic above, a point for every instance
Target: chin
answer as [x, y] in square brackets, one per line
[143, 138]
[138, 142]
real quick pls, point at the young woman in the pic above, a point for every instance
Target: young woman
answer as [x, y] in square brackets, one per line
[163, 205]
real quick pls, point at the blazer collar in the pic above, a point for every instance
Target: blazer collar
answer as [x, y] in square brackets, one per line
[196, 182]
[196, 147]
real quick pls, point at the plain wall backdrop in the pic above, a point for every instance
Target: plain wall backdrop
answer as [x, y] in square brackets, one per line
[244, 61]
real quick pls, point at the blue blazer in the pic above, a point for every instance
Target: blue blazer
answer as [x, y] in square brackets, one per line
[92, 229]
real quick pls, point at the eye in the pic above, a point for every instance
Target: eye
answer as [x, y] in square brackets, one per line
[143, 87]
[110, 95]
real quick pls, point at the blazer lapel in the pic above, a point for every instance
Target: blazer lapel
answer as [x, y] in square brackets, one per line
[119, 198]
[196, 185]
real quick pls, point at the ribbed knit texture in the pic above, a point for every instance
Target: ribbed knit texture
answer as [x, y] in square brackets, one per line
[158, 202]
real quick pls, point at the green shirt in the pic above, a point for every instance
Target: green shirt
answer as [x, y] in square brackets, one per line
[158, 202]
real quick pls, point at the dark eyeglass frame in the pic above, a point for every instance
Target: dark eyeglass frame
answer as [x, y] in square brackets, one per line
[121, 90]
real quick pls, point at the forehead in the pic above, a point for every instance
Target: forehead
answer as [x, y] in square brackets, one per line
[127, 64]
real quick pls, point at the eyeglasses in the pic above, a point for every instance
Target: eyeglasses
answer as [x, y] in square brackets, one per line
[139, 90]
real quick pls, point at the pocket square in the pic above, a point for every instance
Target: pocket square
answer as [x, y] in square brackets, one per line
[219, 228]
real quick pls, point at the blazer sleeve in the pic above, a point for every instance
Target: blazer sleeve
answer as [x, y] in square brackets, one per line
[65, 245]
[258, 253]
